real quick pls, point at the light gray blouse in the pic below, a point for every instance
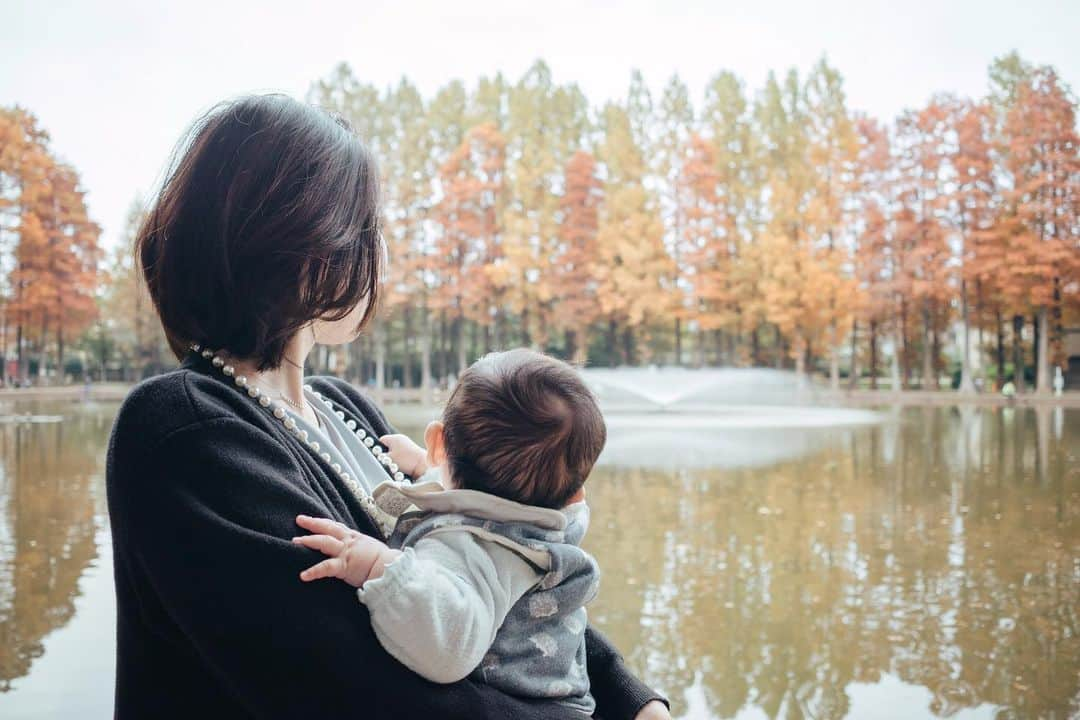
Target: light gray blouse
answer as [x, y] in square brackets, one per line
[344, 447]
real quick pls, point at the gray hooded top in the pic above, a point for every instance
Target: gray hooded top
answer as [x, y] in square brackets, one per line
[486, 586]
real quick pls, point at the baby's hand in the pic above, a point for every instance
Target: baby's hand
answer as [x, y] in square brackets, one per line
[410, 457]
[354, 557]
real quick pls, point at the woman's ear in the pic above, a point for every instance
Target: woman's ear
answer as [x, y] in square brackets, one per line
[435, 443]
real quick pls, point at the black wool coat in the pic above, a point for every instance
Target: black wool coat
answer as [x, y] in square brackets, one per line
[212, 620]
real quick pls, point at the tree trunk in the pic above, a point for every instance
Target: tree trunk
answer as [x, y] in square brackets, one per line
[440, 353]
[1018, 352]
[1042, 366]
[873, 355]
[380, 360]
[935, 344]
[967, 383]
[678, 341]
[474, 344]
[459, 339]
[800, 362]
[1000, 350]
[60, 353]
[1057, 330]
[903, 350]
[928, 343]
[628, 345]
[834, 358]
[755, 348]
[781, 348]
[526, 335]
[43, 360]
[406, 349]
[853, 376]
[425, 357]
[612, 339]
[1036, 360]
[897, 379]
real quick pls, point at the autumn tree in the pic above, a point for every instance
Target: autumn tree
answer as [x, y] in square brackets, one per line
[127, 310]
[574, 265]
[1043, 165]
[52, 274]
[972, 212]
[631, 259]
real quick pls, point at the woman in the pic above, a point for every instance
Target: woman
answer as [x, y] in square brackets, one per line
[263, 242]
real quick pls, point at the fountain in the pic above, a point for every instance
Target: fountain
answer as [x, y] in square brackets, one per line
[716, 417]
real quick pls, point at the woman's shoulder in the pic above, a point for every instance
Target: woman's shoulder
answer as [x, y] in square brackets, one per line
[161, 405]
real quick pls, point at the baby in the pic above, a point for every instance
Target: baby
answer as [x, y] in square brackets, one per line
[484, 573]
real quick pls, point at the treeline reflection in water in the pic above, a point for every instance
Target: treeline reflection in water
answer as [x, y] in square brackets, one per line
[940, 550]
[52, 511]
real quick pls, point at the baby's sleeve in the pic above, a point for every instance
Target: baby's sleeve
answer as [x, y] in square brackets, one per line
[437, 607]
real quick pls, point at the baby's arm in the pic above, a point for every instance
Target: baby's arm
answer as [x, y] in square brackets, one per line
[353, 556]
[438, 606]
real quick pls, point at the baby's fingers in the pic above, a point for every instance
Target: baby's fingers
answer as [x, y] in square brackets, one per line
[323, 526]
[334, 567]
[323, 543]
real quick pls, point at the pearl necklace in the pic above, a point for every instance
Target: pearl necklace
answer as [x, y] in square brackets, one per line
[278, 410]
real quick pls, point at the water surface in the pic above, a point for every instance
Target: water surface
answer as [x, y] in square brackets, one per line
[925, 567]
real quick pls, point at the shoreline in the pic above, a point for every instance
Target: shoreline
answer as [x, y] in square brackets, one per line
[410, 398]
[109, 392]
[944, 398]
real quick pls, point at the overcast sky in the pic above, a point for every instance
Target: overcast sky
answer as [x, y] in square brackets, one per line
[117, 82]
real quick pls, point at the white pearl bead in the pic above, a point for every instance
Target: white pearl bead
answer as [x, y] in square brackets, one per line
[393, 467]
[369, 442]
[376, 451]
[253, 392]
[351, 424]
[196, 347]
[217, 362]
[228, 370]
[303, 435]
[399, 476]
[336, 467]
[264, 400]
[325, 457]
[241, 381]
[290, 423]
[346, 477]
[341, 415]
[361, 433]
[207, 354]
[279, 412]
[314, 445]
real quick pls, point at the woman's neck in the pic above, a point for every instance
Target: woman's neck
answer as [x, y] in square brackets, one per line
[288, 378]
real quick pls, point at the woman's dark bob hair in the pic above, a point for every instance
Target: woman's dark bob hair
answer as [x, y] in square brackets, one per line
[268, 220]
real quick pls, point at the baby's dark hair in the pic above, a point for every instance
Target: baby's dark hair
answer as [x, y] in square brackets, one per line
[523, 426]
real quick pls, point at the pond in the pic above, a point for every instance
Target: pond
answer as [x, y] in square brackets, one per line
[927, 566]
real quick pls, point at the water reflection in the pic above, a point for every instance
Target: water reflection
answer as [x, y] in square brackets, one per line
[51, 509]
[942, 549]
[929, 565]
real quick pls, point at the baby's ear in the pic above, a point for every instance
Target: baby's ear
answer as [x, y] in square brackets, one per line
[436, 444]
